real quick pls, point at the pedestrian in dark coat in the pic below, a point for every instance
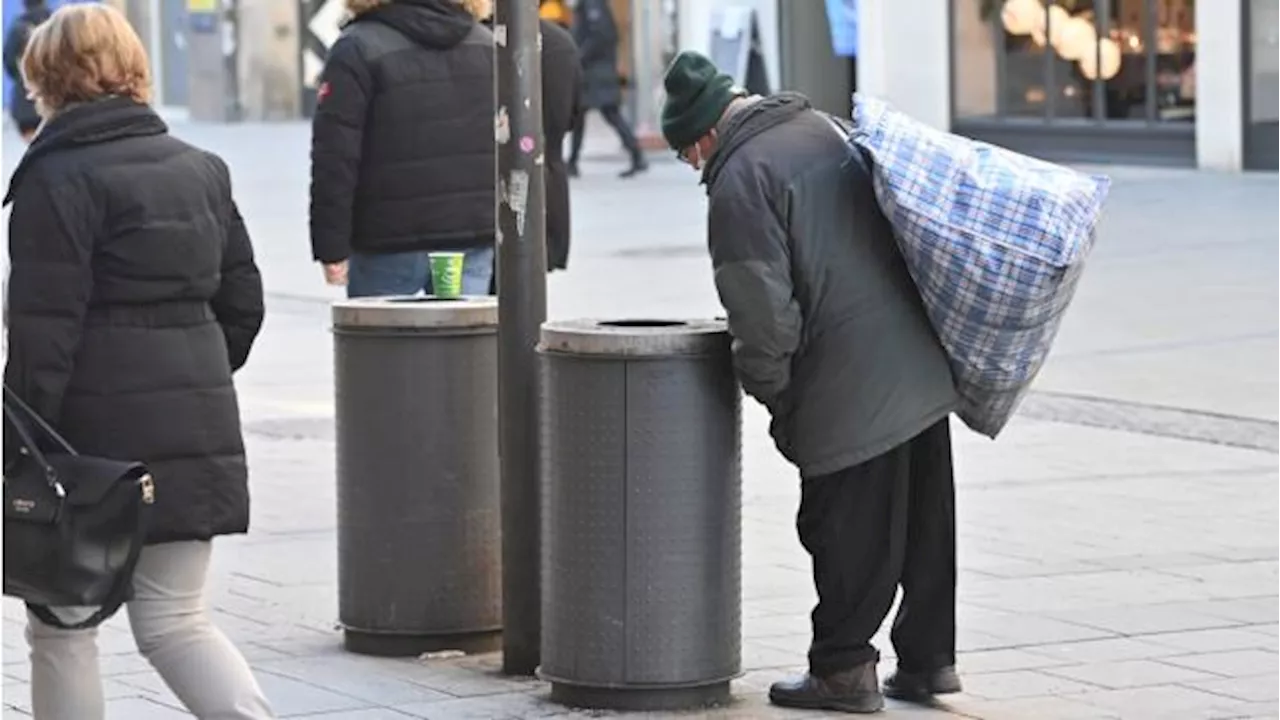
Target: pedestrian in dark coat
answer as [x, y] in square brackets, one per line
[596, 33]
[21, 108]
[561, 106]
[402, 147]
[831, 335]
[133, 296]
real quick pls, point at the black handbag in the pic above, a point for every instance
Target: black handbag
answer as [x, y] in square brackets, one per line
[74, 526]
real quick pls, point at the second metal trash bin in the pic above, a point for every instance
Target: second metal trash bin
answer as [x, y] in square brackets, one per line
[419, 543]
[641, 443]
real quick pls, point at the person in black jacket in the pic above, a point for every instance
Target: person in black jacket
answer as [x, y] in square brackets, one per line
[402, 156]
[133, 297]
[21, 108]
[561, 108]
[596, 33]
[830, 334]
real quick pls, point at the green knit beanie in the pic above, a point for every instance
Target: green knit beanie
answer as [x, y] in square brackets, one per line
[697, 94]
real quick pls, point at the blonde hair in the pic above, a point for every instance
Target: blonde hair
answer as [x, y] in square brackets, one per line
[82, 53]
[478, 9]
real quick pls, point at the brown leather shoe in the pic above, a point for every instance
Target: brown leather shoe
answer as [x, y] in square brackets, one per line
[851, 691]
[921, 687]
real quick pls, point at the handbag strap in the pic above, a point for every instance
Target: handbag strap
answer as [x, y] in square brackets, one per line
[119, 592]
[32, 448]
[11, 398]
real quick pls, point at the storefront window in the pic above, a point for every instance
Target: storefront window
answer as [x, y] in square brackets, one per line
[1104, 61]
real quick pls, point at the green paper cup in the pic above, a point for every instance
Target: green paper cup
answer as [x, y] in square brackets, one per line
[446, 274]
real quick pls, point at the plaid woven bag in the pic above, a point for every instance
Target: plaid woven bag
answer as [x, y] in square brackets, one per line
[995, 242]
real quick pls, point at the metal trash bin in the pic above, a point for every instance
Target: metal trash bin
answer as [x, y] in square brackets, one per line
[419, 542]
[642, 500]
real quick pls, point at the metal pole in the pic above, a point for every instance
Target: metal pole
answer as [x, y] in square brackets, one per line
[522, 307]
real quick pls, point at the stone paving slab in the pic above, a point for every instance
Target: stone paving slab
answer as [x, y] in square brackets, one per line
[1048, 624]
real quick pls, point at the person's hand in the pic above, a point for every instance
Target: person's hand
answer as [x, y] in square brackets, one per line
[336, 273]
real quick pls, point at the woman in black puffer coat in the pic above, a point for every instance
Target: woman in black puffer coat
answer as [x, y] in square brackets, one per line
[133, 296]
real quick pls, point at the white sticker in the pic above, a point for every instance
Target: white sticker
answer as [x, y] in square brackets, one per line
[502, 126]
[518, 198]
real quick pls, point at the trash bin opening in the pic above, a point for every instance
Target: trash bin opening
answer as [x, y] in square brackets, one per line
[424, 299]
[643, 323]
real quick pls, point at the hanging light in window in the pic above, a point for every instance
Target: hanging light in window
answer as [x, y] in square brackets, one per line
[1076, 39]
[1058, 19]
[1022, 17]
[1104, 63]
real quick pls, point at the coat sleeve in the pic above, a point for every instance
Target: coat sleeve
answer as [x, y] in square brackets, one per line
[337, 136]
[238, 304]
[751, 256]
[51, 238]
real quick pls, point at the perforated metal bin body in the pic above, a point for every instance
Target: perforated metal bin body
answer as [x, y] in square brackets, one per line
[419, 543]
[641, 555]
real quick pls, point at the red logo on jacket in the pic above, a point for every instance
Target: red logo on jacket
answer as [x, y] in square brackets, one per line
[323, 91]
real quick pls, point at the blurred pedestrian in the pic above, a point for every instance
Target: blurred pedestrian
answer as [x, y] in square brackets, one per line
[561, 108]
[561, 105]
[831, 336]
[21, 108]
[402, 147]
[133, 297]
[596, 33]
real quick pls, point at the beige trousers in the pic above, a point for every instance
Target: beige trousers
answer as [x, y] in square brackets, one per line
[173, 631]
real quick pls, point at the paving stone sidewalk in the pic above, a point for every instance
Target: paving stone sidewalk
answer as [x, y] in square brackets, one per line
[1103, 574]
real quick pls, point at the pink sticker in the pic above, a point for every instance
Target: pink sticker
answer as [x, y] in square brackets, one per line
[526, 144]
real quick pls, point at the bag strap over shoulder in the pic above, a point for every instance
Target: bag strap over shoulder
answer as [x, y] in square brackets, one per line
[838, 125]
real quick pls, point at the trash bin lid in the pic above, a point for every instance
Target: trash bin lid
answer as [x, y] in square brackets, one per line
[416, 312]
[634, 337]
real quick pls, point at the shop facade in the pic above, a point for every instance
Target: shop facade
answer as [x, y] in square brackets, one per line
[1092, 80]
[1158, 82]
[1153, 82]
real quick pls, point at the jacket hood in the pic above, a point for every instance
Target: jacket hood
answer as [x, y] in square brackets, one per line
[99, 121]
[751, 121]
[437, 24]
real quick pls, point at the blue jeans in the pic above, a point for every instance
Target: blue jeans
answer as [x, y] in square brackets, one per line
[410, 273]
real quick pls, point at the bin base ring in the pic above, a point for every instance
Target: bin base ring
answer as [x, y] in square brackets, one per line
[640, 699]
[381, 644]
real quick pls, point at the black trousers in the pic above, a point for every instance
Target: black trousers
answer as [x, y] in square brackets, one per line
[613, 116]
[871, 528]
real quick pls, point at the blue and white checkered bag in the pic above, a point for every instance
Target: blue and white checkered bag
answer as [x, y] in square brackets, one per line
[995, 242]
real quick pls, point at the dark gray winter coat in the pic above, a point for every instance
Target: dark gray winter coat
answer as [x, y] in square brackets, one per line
[596, 33]
[829, 331]
[561, 104]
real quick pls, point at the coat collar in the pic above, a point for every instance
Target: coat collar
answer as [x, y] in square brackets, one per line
[91, 123]
[746, 123]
